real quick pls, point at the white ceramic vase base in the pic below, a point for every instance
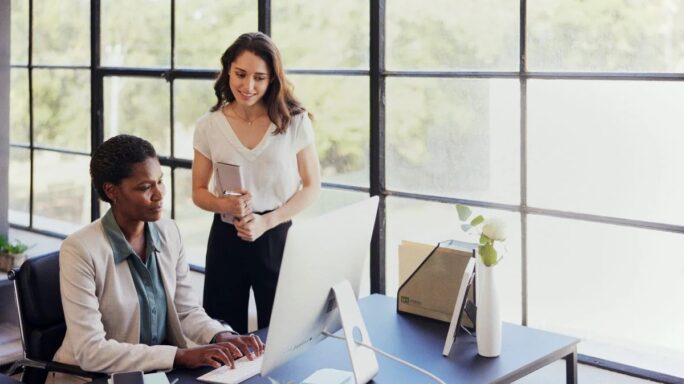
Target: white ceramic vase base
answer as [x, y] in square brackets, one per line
[488, 321]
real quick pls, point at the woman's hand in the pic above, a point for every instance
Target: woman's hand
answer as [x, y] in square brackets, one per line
[251, 227]
[238, 206]
[213, 355]
[249, 345]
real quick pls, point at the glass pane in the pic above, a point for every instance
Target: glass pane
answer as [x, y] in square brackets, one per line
[61, 107]
[205, 28]
[430, 223]
[454, 137]
[61, 32]
[193, 222]
[19, 32]
[322, 34]
[19, 186]
[140, 107]
[621, 35]
[19, 106]
[330, 200]
[619, 289]
[168, 197]
[453, 34]
[61, 192]
[607, 148]
[191, 99]
[136, 33]
[340, 106]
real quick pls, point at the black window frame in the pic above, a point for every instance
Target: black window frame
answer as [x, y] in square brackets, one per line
[377, 75]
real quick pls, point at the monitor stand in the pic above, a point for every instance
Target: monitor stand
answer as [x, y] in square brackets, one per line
[364, 364]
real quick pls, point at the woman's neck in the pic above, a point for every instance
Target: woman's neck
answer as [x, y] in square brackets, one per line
[249, 112]
[131, 229]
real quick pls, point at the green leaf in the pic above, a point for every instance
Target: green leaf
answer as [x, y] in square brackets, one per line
[488, 254]
[484, 239]
[477, 221]
[463, 212]
[466, 227]
[12, 248]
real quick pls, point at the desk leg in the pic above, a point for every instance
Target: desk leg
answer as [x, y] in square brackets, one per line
[571, 368]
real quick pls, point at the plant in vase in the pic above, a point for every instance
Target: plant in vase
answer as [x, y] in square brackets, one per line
[11, 253]
[492, 234]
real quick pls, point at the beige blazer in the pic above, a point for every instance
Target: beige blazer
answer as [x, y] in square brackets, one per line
[102, 310]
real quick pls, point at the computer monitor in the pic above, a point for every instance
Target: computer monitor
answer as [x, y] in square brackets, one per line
[322, 253]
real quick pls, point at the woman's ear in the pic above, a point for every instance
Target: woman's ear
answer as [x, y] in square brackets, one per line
[111, 191]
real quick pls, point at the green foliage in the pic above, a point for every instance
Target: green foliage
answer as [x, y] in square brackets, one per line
[477, 221]
[606, 35]
[62, 108]
[486, 249]
[429, 122]
[13, 248]
[488, 253]
[463, 212]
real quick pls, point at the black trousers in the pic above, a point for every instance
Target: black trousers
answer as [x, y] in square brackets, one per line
[233, 266]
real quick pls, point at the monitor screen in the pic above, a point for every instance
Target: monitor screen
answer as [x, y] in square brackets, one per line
[319, 253]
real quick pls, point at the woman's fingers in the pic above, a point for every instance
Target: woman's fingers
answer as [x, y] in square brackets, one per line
[246, 219]
[255, 344]
[234, 351]
[244, 348]
[221, 355]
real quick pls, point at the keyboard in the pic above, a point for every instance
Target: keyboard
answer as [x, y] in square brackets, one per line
[244, 369]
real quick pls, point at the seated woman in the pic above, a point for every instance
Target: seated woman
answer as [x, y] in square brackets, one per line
[125, 282]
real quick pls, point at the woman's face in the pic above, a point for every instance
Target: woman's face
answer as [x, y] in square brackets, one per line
[139, 196]
[249, 79]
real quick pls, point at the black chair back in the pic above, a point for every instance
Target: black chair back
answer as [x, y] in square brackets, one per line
[41, 315]
[40, 306]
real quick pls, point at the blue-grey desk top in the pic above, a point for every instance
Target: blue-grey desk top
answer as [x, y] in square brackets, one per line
[4, 379]
[420, 341]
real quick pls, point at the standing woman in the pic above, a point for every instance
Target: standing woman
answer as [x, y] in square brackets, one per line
[258, 124]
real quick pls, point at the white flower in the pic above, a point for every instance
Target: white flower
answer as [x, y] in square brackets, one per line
[495, 229]
[491, 231]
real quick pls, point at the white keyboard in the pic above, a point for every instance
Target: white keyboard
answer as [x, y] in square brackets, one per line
[244, 369]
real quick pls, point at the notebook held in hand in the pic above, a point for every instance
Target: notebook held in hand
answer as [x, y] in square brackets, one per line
[229, 181]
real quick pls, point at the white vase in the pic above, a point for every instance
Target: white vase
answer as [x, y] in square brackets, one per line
[488, 320]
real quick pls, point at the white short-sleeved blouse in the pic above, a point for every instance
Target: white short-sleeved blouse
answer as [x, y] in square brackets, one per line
[269, 170]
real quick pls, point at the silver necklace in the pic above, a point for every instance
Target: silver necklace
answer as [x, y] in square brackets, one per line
[249, 122]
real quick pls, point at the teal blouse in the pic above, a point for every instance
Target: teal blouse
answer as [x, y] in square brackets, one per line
[146, 277]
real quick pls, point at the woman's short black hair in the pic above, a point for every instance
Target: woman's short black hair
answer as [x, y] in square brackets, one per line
[114, 159]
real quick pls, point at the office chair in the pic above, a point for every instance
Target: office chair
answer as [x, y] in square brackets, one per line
[41, 319]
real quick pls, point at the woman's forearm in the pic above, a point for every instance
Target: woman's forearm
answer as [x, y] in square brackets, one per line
[297, 203]
[206, 200]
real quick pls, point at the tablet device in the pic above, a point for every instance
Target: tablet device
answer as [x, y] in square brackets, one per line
[229, 182]
[128, 378]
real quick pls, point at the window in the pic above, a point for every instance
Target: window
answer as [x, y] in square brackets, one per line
[565, 123]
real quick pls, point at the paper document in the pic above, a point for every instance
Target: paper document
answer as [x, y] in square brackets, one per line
[244, 369]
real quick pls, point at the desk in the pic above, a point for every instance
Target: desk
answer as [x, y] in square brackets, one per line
[4, 379]
[420, 341]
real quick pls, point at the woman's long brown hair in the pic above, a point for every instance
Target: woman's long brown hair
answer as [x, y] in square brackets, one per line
[279, 97]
